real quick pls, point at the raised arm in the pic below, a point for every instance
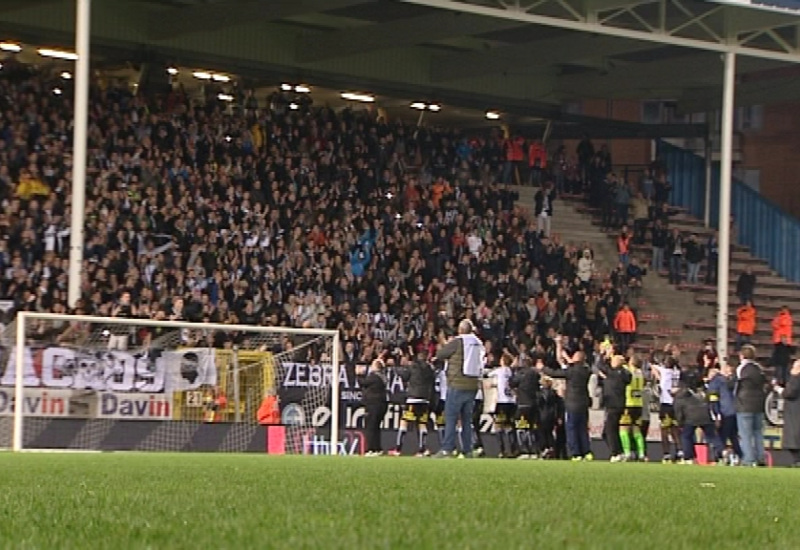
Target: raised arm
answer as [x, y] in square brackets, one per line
[446, 351]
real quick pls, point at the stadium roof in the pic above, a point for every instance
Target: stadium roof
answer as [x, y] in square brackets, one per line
[520, 56]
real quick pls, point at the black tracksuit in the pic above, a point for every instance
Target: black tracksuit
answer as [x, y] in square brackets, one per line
[576, 406]
[614, 399]
[420, 380]
[550, 410]
[526, 382]
[692, 411]
[373, 397]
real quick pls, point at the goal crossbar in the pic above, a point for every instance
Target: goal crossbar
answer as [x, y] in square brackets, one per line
[24, 317]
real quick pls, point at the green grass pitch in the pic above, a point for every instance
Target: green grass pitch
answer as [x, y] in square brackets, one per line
[177, 501]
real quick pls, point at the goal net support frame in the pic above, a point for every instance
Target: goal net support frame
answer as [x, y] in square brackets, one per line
[24, 319]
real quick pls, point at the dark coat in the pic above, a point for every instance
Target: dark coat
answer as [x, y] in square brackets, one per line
[576, 396]
[791, 414]
[373, 388]
[539, 200]
[420, 379]
[691, 409]
[614, 386]
[748, 386]
[526, 382]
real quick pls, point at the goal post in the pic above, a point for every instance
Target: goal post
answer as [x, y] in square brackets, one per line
[78, 382]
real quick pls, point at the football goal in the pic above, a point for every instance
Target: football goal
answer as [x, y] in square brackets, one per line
[84, 383]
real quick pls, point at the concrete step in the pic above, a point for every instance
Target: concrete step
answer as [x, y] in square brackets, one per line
[765, 308]
[776, 295]
[763, 328]
[665, 309]
[684, 225]
[765, 283]
[738, 258]
[761, 338]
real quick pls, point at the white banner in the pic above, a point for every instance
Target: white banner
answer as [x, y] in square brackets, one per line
[115, 371]
[37, 402]
[134, 406]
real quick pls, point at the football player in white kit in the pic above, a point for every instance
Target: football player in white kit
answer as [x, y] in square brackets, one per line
[666, 370]
[506, 405]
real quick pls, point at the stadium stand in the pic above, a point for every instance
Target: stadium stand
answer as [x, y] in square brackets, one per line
[686, 312]
[303, 218]
[308, 217]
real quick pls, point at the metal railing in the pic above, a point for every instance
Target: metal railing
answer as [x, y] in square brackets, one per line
[771, 233]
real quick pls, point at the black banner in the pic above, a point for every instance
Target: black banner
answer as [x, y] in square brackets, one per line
[298, 378]
[136, 435]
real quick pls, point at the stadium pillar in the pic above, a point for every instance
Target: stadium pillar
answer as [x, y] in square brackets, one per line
[726, 158]
[709, 151]
[76, 241]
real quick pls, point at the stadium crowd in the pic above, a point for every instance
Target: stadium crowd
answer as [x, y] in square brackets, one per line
[259, 213]
[301, 218]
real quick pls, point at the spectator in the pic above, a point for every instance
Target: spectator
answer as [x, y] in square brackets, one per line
[622, 198]
[625, 327]
[515, 155]
[658, 242]
[663, 213]
[791, 414]
[646, 185]
[745, 324]
[118, 339]
[694, 255]
[663, 188]
[712, 248]
[586, 267]
[607, 198]
[748, 385]
[604, 156]
[559, 170]
[675, 249]
[544, 209]
[623, 246]
[782, 328]
[640, 207]
[30, 185]
[635, 275]
[745, 286]
[604, 326]
[537, 162]
[585, 151]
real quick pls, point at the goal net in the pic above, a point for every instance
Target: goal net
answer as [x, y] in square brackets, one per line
[110, 384]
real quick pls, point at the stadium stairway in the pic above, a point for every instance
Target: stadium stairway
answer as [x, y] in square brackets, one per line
[691, 309]
[661, 309]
